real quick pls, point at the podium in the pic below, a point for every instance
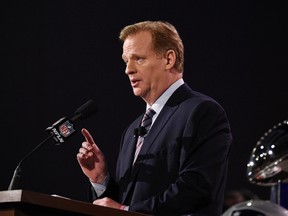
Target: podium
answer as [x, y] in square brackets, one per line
[27, 203]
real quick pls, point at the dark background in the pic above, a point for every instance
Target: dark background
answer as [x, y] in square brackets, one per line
[59, 54]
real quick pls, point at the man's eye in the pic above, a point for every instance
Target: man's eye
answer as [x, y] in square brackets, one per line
[139, 60]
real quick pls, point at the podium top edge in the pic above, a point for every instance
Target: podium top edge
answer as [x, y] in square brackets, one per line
[28, 198]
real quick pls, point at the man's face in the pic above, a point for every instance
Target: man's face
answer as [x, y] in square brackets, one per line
[144, 67]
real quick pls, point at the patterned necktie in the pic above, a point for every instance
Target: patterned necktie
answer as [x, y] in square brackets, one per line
[145, 124]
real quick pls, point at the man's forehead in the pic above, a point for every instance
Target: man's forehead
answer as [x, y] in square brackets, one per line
[142, 38]
[137, 43]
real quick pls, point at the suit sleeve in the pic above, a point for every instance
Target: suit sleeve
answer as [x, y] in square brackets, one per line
[111, 191]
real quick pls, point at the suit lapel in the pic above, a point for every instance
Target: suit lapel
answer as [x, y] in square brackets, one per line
[170, 107]
[127, 155]
[156, 128]
[148, 142]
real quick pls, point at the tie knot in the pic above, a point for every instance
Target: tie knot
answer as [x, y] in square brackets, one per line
[147, 119]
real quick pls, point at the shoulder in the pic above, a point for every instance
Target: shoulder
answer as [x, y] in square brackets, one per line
[187, 97]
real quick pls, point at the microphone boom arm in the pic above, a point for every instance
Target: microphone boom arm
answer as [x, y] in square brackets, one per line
[17, 172]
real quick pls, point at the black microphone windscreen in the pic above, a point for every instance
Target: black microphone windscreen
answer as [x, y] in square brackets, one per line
[136, 132]
[142, 131]
[87, 109]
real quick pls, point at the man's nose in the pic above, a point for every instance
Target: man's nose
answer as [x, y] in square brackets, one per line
[130, 68]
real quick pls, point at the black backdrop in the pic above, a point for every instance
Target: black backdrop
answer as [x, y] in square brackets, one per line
[59, 54]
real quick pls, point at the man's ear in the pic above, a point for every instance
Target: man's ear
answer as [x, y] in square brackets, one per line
[171, 59]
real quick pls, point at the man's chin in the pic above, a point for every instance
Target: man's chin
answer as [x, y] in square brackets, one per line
[137, 92]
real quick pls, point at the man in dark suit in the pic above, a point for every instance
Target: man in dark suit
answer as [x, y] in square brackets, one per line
[180, 167]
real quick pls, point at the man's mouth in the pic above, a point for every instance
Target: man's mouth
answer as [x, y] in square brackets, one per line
[134, 82]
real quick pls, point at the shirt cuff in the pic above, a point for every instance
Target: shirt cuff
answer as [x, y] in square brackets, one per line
[100, 188]
[125, 208]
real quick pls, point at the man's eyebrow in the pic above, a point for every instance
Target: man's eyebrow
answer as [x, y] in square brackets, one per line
[130, 56]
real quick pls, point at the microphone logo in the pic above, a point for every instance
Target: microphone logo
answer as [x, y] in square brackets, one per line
[61, 130]
[57, 138]
[66, 129]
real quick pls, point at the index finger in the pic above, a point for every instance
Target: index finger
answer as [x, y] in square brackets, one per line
[87, 136]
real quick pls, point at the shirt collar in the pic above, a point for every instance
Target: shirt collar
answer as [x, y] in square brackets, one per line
[160, 102]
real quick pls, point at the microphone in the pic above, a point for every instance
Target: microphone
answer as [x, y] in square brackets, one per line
[63, 128]
[141, 131]
[58, 132]
[135, 133]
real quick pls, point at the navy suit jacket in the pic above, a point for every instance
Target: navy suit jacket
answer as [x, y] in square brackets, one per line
[181, 168]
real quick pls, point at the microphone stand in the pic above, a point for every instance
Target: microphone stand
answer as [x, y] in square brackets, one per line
[82, 112]
[17, 172]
